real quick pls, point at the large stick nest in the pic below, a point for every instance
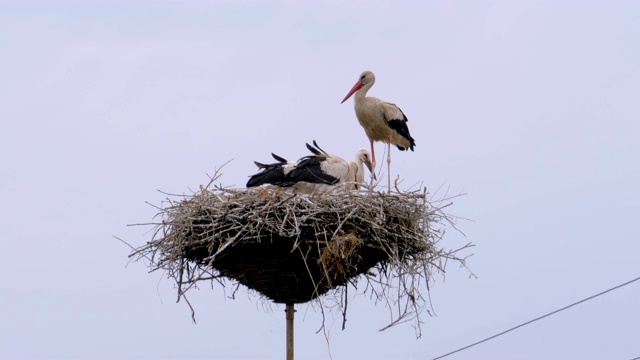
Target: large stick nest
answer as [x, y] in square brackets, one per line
[293, 248]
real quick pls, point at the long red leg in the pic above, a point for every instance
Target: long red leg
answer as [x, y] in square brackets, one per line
[389, 164]
[373, 166]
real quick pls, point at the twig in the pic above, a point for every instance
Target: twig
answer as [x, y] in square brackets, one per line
[330, 236]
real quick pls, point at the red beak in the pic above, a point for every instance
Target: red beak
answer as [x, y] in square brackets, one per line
[355, 88]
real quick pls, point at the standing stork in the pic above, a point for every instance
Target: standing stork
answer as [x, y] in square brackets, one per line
[313, 174]
[381, 120]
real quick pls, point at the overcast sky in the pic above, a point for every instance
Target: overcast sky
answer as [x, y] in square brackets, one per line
[531, 108]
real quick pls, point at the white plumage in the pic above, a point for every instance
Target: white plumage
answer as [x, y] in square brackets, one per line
[313, 174]
[381, 120]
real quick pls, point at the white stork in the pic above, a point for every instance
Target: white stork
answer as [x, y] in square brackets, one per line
[381, 120]
[313, 174]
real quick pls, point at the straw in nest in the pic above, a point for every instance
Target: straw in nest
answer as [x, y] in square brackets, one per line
[293, 249]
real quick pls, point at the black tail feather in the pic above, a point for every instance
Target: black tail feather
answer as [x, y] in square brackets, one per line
[400, 126]
[306, 169]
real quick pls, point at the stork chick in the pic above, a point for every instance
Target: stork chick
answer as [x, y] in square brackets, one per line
[313, 174]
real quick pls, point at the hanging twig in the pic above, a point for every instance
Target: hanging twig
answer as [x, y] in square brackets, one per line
[292, 248]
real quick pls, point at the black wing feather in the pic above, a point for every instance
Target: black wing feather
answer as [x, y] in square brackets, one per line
[270, 174]
[309, 169]
[279, 158]
[400, 126]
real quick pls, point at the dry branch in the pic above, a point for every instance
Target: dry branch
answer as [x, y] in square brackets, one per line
[293, 249]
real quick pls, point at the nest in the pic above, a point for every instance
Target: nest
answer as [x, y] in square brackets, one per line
[294, 249]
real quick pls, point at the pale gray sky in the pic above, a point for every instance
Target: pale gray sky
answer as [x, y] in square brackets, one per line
[530, 107]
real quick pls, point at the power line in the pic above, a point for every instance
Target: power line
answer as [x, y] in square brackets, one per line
[539, 318]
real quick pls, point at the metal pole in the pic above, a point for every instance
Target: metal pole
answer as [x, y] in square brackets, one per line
[290, 312]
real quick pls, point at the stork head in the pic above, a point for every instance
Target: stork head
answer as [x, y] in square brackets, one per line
[363, 157]
[366, 78]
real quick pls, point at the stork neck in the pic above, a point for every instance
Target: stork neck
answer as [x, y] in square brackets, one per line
[362, 92]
